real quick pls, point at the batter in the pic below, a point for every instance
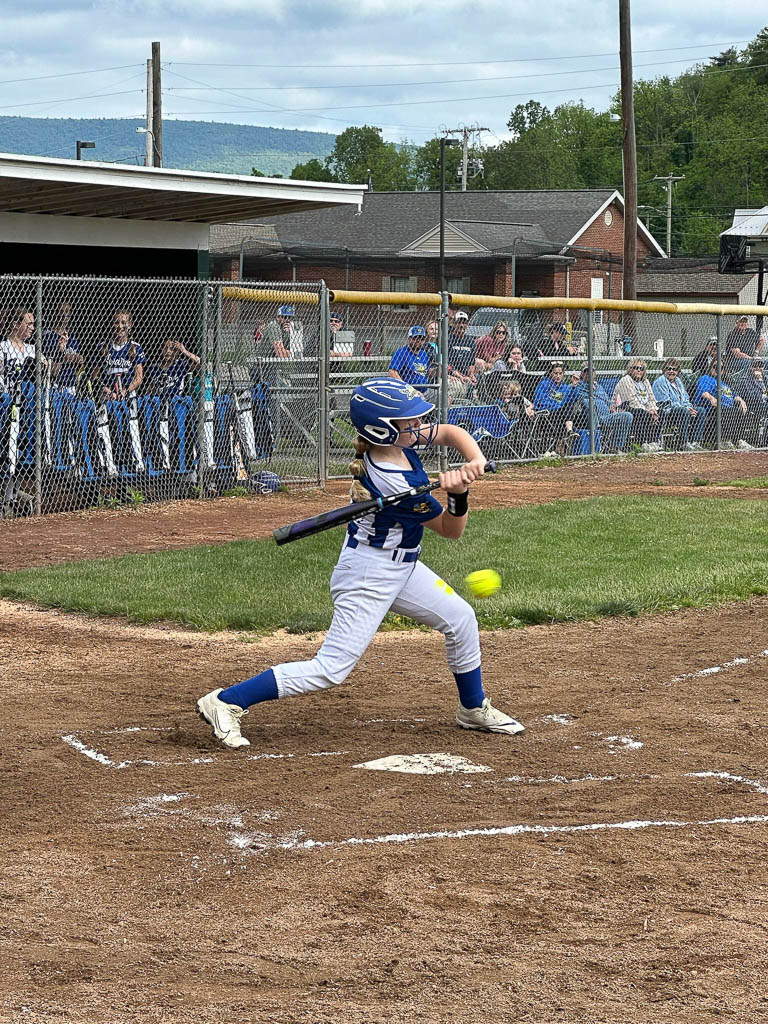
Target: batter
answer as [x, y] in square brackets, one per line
[379, 568]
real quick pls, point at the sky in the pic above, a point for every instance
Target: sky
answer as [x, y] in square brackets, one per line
[415, 69]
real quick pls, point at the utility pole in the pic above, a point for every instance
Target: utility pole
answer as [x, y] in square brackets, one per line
[629, 154]
[148, 162]
[465, 132]
[157, 108]
[669, 180]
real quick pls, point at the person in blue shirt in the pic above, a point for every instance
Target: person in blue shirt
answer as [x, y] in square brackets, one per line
[411, 362]
[122, 359]
[63, 350]
[676, 408]
[733, 411]
[552, 393]
[614, 426]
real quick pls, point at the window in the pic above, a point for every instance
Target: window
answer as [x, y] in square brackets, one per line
[458, 285]
[397, 283]
[596, 292]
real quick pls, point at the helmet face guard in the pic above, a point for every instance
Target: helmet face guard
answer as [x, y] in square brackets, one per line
[377, 403]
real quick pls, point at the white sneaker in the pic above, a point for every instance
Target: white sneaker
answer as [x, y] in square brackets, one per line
[223, 718]
[744, 446]
[487, 719]
[647, 448]
[728, 446]
[693, 446]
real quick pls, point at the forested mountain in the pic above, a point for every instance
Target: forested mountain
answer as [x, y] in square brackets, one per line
[194, 145]
[709, 124]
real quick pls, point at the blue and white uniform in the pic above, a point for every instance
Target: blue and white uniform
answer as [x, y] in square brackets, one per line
[120, 363]
[379, 571]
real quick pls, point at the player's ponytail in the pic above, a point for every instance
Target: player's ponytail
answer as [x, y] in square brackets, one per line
[357, 467]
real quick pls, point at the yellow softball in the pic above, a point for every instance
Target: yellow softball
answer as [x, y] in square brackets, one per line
[483, 582]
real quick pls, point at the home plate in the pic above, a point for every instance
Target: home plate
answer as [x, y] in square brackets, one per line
[424, 764]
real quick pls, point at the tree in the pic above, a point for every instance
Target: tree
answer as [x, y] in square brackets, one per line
[312, 170]
[360, 150]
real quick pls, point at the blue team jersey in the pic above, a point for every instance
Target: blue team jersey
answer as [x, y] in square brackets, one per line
[168, 380]
[412, 366]
[68, 372]
[401, 525]
[118, 362]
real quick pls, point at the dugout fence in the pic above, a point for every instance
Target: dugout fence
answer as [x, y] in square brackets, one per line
[117, 391]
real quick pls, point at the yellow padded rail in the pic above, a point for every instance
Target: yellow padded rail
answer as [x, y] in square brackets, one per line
[265, 295]
[385, 298]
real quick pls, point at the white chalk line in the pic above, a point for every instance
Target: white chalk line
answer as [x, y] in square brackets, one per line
[715, 669]
[513, 830]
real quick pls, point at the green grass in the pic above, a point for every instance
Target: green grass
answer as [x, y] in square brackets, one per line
[757, 482]
[564, 561]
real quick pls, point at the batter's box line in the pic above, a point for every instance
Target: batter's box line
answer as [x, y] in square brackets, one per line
[715, 669]
[512, 830]
[94, 754]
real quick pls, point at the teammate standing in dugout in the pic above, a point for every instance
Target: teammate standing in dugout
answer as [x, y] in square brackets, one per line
[379, 569]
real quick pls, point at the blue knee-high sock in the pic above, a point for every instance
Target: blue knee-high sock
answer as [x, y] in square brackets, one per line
[470, 684]
[252, 691]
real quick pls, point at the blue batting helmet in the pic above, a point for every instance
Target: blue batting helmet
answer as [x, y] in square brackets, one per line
[265, 482]
[417, 332]
[286, 311]
[377, 402]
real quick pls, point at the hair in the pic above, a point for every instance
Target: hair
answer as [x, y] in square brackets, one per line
[556, 366]
[670, 364]
[18, 314]
[514, 387]
[498, 324]
[635, 364]
[356, 467]
[132, 349]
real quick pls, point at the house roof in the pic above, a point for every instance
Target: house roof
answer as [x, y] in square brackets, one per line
[754, 223]
[41, 185]
[692, 282]
[391, 222]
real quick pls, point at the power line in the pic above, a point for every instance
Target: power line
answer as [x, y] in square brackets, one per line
[67, 74]
[445, 81]
[451, 63]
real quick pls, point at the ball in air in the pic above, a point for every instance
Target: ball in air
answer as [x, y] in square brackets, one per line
[483, 582]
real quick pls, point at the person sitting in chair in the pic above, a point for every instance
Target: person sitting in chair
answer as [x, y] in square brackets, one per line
[554, 395]
[614, 426]
[676, 408]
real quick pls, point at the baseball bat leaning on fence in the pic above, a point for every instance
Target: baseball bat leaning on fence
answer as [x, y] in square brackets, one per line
[345, 514]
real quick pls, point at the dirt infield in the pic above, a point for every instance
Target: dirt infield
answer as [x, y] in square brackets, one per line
[607, 866]
[103, 532]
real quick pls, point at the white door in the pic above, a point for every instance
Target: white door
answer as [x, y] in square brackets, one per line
[596, 292]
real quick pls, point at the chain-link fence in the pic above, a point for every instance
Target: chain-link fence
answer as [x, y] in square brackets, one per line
[120, 391]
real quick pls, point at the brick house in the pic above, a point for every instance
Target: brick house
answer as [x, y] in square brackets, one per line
[541, 243]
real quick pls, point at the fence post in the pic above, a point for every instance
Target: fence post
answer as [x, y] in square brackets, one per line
[202, 455]
[38, 397]
[217, 337]
[590, 372]
[323, 369]
[443, 392]
[718, 408]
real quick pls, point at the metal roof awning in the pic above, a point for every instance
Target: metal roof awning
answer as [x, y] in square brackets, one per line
[40, 185]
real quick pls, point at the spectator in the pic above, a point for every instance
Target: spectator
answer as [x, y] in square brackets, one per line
[733, 411]
[17, 353]
[634, 393]
[513, 403]
[491, 347]
[614, 426]
[411, 362]
[555, 343]
[63, 350]
[706, 360]
[340, 346]
[275, 340]
[752, 387]
[557, 397]
[433, 341]
[166, 377]
[514, 362]
[740, 346]
[121, 370]
[676, 407]
[462, 356]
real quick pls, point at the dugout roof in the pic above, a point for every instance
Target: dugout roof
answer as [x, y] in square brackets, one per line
[75, 188]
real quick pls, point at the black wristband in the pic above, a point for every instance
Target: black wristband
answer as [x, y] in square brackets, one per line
[458, 504]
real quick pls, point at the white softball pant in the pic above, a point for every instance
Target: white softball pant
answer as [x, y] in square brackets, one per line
[365, 585]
